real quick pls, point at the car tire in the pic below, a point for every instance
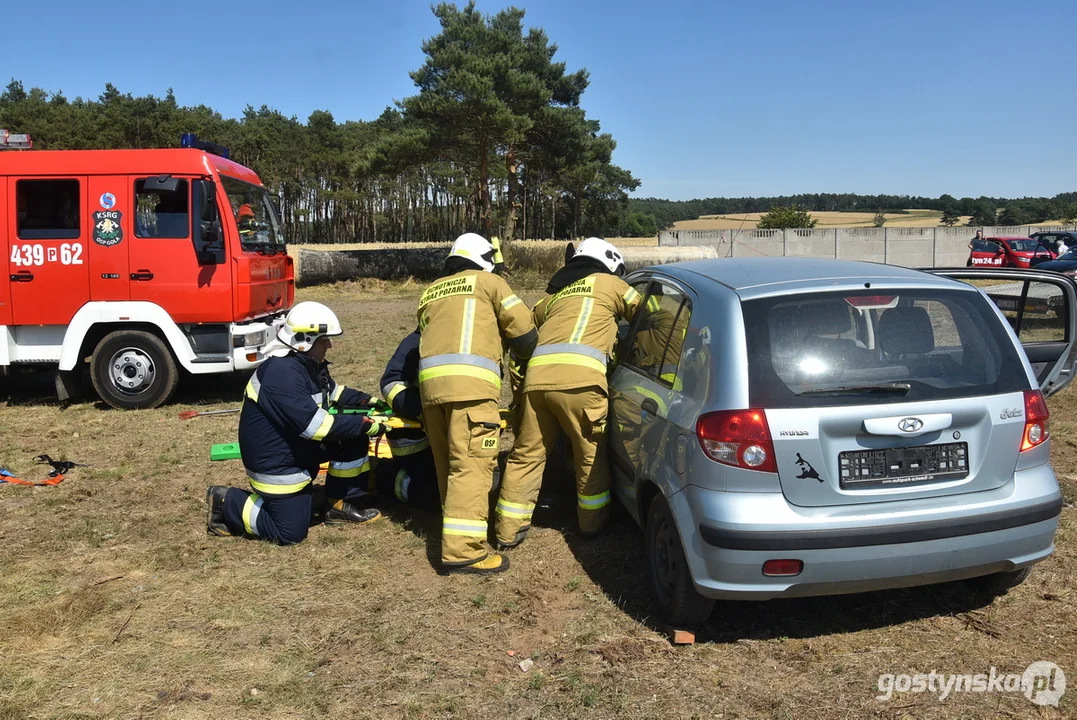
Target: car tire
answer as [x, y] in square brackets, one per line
[132, 369]
[670, 581]
[998, 583]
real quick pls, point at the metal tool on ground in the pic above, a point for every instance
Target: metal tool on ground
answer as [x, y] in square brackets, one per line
[188, 414]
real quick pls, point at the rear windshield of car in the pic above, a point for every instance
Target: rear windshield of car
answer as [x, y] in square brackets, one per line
[832, 349]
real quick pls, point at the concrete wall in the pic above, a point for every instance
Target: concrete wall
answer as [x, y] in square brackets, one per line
[868, 244]
[811, 243]
[912, 247]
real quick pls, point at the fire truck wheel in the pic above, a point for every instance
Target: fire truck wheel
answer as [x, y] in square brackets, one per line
[133, 369]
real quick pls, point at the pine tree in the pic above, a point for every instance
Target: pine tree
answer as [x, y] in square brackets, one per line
[491, 97]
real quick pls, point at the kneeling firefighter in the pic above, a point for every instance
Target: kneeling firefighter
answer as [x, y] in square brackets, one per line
[565, 389]
[411, 476]
[464, 319]
[286, 432]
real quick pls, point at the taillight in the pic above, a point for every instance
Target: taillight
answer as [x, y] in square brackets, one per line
[780, 568]
[740, 438]
[1037, 420]
[872, 301]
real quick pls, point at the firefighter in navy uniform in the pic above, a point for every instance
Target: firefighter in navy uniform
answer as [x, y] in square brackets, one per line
[464, 318]
[286, 432]
[411, 477]
[565, 389]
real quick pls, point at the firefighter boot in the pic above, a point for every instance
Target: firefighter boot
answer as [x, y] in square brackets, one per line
[338, 512]
[521, 535]
[215, 511]
[492, 563]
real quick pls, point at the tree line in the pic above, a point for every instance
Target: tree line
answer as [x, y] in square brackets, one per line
[494, 140]
[983, 210]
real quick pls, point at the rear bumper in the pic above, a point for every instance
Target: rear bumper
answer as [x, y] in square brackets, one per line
[728, 536]
[897, 534]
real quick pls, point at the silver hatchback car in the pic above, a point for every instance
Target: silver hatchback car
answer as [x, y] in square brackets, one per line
[794, 427]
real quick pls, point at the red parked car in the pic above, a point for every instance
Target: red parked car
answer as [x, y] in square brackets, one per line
[1015, 252]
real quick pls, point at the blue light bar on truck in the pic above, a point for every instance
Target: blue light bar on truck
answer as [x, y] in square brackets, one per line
[190, 140]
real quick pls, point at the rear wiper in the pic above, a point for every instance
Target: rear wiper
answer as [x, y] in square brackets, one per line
[897, 388]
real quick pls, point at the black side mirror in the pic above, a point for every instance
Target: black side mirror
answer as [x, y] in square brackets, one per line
[276, 208]
[209, 225]
[207, 201]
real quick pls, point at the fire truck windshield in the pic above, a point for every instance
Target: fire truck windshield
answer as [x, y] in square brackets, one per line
[255, 217]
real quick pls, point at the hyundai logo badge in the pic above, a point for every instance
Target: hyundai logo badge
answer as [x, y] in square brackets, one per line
[910, 424]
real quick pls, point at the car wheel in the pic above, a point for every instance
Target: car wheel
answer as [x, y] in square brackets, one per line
[672, 592]
[998, 583]
[132, 369]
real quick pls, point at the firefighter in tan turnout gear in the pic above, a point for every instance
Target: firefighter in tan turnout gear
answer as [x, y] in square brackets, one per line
[565, 389]
[465, 319]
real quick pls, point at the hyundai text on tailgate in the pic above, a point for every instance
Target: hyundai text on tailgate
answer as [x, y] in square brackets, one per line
[144, 261]
[809, 427]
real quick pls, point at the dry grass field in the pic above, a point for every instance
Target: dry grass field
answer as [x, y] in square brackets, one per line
[747, 221]
[114, 603]
[908, 219]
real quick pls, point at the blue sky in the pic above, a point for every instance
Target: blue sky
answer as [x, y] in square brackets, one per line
[704, 98]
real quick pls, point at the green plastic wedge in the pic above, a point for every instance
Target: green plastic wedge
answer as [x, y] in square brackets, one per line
[224, 451]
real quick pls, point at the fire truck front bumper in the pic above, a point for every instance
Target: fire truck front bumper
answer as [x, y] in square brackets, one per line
[249, 341]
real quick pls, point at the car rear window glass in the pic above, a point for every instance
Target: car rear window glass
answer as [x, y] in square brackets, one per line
[831, 349]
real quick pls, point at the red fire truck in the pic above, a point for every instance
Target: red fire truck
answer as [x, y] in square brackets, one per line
[141, 262]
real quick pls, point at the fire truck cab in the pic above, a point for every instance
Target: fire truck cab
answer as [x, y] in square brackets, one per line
[139, 262]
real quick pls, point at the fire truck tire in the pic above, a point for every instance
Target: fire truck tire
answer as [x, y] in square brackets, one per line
[132, 369]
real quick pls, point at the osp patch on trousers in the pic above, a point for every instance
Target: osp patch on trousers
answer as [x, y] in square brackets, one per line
[464, 439]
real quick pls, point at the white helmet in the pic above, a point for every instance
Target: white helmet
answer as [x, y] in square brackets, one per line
[304, 323]
[475, 248]
[604, 252]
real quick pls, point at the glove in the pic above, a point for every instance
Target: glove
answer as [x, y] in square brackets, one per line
[373, 428]
[377, 404]
[517, 370]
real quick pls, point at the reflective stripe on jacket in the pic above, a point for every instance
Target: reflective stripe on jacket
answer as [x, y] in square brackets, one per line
[285, 420]
[400, 381]
[463, 321]
[400, 388]
[577, 330]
